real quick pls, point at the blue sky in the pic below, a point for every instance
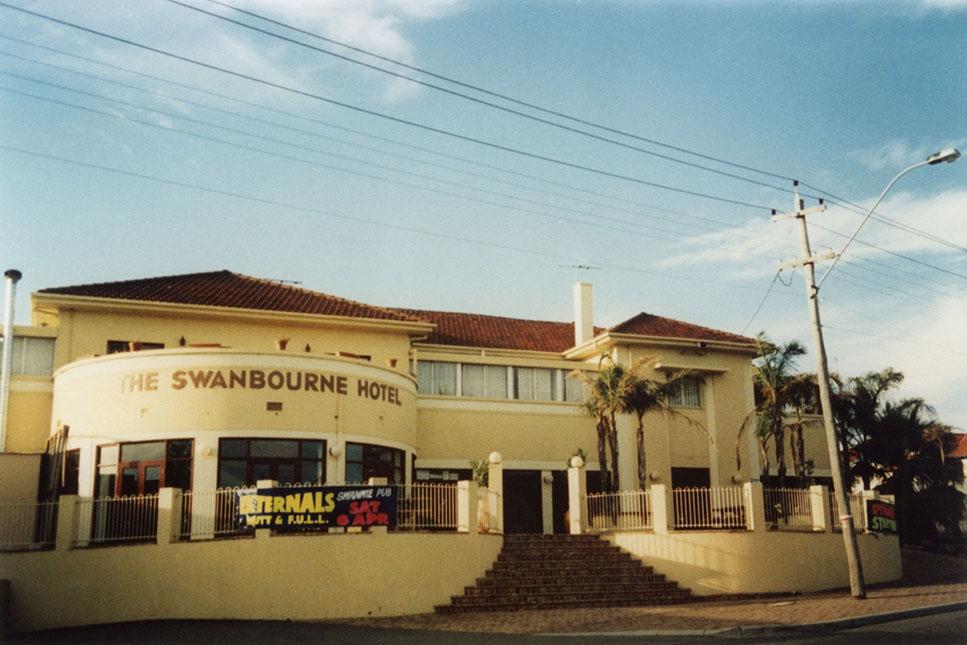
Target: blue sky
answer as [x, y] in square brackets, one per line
[841, 95]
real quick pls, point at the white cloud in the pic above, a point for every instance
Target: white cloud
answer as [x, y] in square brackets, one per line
[374, 25]
[899, 153]
[944, 5]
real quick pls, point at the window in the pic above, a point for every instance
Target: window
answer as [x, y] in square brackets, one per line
[32, 356]
[535, 384]
[686, 393]
[574, 389]
[118, 346]
[437, 378]
[365, 460]
[442, 475]
[70, 477]
[144, 467]
[243, 462]
[485, 381]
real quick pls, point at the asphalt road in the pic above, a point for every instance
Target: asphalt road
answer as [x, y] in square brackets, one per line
[949, 627]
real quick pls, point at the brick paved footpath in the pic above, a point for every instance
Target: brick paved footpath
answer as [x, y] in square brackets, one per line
[930, 580]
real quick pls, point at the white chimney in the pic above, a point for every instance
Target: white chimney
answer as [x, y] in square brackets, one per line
[583, 318]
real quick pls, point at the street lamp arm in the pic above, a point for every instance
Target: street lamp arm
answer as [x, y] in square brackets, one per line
[869, 214]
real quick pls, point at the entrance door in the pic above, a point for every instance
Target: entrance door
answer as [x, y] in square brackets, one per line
[523, 512]
[140, 478]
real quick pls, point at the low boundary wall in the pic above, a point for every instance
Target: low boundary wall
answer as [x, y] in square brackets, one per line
[298, 577]
[717, 562]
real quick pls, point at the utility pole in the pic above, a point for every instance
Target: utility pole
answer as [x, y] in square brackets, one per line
[808, 262]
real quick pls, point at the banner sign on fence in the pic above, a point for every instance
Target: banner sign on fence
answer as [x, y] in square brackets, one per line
[880, 516]
[316, 507]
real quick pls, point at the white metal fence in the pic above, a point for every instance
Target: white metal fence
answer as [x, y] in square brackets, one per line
[789, 508]
[210, 514]
[115, 520]
[27, 526]
[709, 508]
[430, 506]
[857, 508]
[623, 510]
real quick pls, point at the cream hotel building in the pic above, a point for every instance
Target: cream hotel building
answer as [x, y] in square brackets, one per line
[174, 387]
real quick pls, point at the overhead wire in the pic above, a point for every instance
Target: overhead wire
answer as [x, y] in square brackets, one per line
[329, 124]
[165, 128]
[883, 219]
[378, 223]
[333, 139]
[389, 117]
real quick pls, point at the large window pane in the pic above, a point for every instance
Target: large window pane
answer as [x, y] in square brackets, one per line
[535, 383]
[574, 389]
[274, 448]
[485, 381]
[152, 451]
[233, 448]
[437, 378]
[231, 473]
[687, 393]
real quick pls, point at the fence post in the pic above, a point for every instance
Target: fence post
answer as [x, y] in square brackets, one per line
[466, 505]
[577, 498]
[819, 503]
[755, 506]
[264, 533]
[661, 505]
[67, 509]
[382, 481]
[495, 481]
[862, 523]
[169, 516]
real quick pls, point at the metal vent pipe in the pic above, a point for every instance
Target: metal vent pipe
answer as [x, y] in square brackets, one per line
[12, 277]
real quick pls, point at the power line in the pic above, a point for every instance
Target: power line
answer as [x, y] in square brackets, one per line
[367, 135]
[327, 138]
[893, 253]
[381, 115]
[362, 220]
[473, 99]
[775, 279]
[168, 129]
[883, 219]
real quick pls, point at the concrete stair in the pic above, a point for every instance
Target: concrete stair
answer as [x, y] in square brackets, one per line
[565, 571]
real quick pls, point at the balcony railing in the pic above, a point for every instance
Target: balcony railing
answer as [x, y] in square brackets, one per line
[789, 508]
[28, 526]
[624, 510]
[117, 520]
[709, 508]
[426, 507]
[210, 514]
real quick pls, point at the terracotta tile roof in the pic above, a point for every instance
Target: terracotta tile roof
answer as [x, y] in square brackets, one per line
[234, 290]
[476, 330]
[650, 325]
[959, 448]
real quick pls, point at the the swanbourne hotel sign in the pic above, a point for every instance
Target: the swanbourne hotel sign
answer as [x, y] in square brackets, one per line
[268, 380]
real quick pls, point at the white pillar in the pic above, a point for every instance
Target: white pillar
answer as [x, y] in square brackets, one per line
[495, 479]
[67, 511]
[819, 502]
[169, 516]
[547, 501]
[577, 500]
[755, 509]
[466, 506]
[661, 509]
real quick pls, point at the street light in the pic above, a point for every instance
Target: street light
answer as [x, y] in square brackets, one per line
[822, 373]
[947, 155]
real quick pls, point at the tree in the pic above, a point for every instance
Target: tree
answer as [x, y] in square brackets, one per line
[615, 389]
[605, 392]
[902, 445]
[642, 395]
[776, 385]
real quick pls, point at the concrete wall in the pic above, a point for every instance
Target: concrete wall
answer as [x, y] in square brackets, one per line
[19, 477]
[716, 562]
[310, 577]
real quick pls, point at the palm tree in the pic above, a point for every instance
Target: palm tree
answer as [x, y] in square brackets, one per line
[605, 396]
[775, 384]
[643, 395]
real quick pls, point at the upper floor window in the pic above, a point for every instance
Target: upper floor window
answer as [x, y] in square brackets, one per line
[485, 381]
[117, 346]
[437, 378]
[32, 356]
[687, 393]
[575, 391]
[535, 384]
